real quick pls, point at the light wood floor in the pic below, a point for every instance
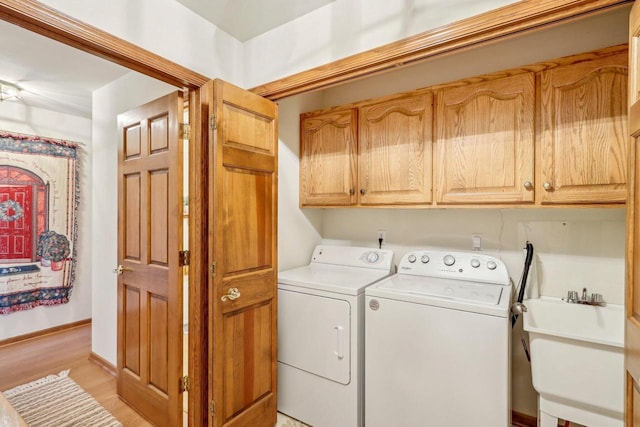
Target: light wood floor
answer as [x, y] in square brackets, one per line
[29, 360]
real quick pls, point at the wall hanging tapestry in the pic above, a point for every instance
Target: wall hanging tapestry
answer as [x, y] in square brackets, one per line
[38, 221]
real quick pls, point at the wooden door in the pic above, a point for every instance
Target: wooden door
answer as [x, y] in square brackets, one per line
[395, 146]
[149, 241]
[584, 132]
[243, 254]
[485, 142]
[16, 224]
[328, 155]
[632, 326]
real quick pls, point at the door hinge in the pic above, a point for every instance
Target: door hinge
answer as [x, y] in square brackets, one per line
[212, 408]
[185, 130]
[184, 384]
[214, 124]
[183, 258]
[212, 269]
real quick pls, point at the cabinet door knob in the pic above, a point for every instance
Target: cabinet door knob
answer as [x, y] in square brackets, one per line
[528, 185]
[363, 191]
[352, 191]
[547, 186]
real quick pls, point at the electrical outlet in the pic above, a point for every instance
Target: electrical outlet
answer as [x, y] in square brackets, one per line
[382, 235]
[477, 242]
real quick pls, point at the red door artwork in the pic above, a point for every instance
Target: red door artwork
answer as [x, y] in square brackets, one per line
[38, 221]
[16, 223]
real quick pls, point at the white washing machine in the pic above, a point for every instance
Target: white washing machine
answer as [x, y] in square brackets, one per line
[438, 339]
[321, 334]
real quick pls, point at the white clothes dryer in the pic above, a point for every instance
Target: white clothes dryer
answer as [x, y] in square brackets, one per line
[321, 336]
[438, 339]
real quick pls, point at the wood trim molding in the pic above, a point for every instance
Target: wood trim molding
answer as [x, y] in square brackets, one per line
[49, 22]
[103, 363]
[499, 23]
[43, 332]
[523, 420]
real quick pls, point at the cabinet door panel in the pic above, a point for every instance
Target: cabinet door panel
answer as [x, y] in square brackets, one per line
[584, 137]
[395, 145]
[485, 144]
[328, 158]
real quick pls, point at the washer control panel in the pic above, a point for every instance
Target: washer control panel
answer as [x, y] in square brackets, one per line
[470, 266]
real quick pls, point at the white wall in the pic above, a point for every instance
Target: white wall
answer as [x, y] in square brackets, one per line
[346, 27]
[16, 117]
[298, 231]
[166, 28]
[119, 96]
[574, 248]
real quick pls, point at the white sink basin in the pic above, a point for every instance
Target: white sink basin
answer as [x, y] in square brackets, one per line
[577, 361]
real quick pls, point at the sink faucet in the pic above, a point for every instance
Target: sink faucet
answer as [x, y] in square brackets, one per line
[594, 299]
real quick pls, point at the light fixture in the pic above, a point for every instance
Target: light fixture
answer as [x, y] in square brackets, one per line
[8, 91]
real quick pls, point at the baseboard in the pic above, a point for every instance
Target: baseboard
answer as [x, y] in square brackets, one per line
[43, 332]
[523, 420]
[103, 363]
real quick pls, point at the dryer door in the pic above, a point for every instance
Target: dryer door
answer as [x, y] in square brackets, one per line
[314, 334]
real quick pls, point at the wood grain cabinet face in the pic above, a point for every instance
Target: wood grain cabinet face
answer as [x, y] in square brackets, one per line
[395, 146]
[485, 142]
[328, 155]
[584, 138]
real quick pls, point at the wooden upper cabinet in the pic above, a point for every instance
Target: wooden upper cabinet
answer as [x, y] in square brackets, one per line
[395, 146]
[584, 137]
[485, 142]
[554, 136]
[328, 155]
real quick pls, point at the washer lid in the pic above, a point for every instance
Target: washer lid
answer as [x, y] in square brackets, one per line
[447, 293]
[332, 278]
[445, 288]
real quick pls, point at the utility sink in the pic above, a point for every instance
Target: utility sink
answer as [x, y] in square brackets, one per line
[577, 361]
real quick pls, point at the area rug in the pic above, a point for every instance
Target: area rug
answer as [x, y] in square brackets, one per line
[57, 401]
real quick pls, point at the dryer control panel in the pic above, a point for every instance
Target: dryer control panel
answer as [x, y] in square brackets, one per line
[469, 266]
[353, 256]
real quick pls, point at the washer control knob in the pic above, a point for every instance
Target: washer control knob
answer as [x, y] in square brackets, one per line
[424, 259]
[372, 257]
[412, 258]
[491, 265]
[475, 263]
[449, 260]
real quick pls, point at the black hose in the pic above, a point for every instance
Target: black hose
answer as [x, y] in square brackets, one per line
[523, 281]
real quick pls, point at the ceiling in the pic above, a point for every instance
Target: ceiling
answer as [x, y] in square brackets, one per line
[52, 75]
[245, 19]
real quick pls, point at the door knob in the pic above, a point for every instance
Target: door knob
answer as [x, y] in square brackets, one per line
[233, 294]
[363, 191]
[547, 186]
[528, 185]
[121, 269]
